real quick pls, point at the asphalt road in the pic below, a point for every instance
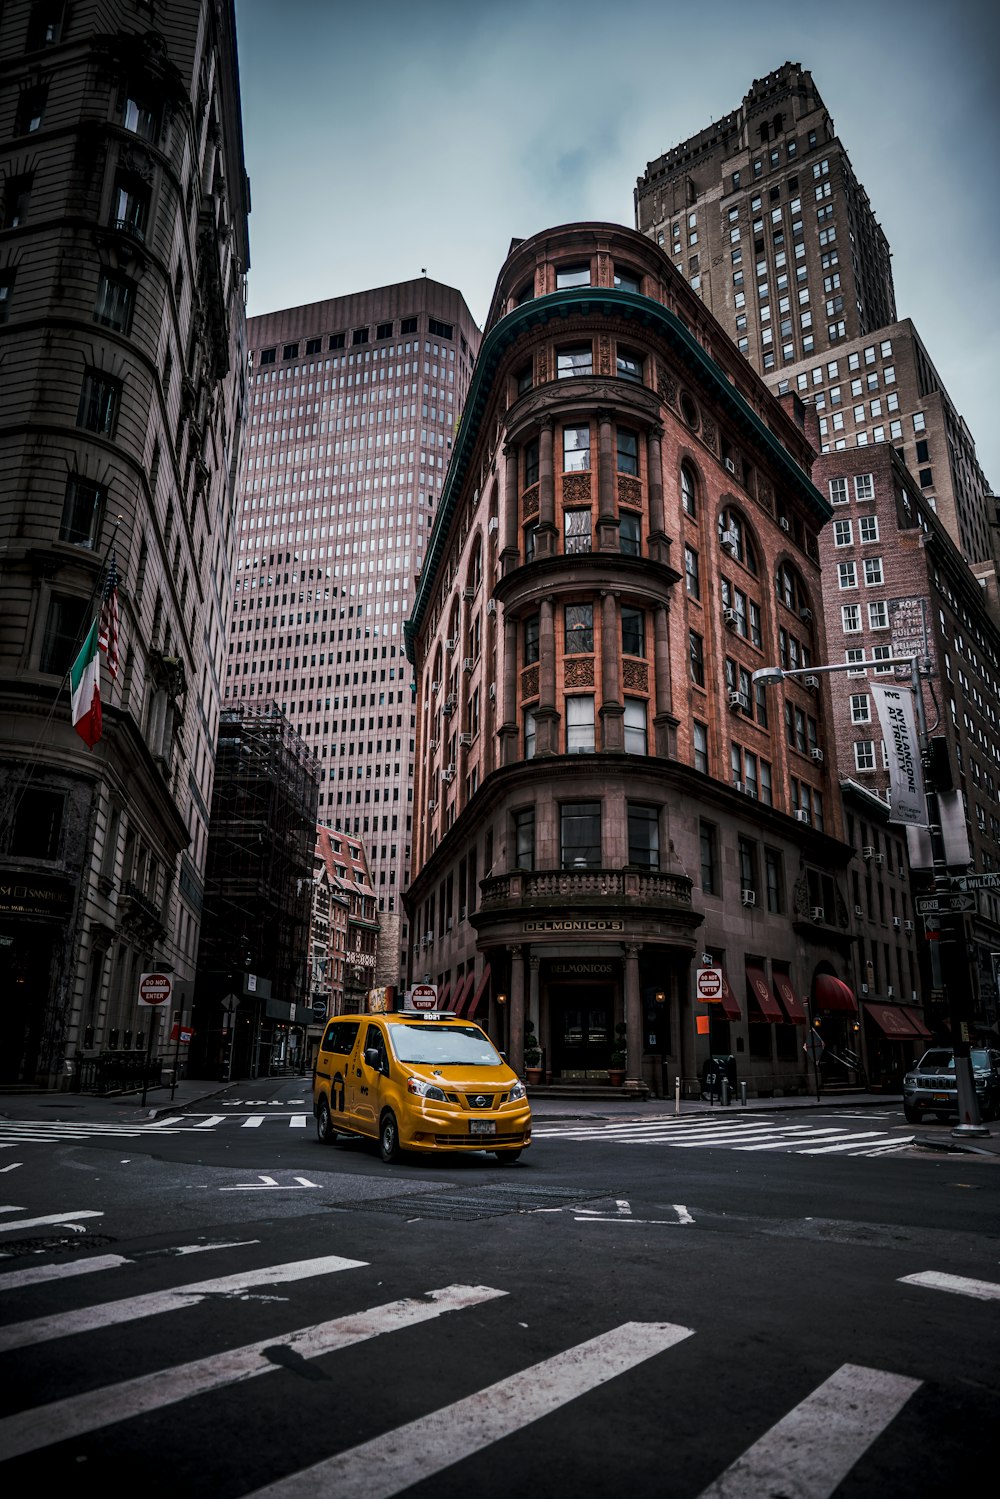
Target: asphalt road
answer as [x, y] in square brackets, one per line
[695, 1307]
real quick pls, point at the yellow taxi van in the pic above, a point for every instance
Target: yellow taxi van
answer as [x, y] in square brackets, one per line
[420, 1081]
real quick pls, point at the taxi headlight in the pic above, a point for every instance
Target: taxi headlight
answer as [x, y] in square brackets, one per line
[518, 1091]
[424, 1090]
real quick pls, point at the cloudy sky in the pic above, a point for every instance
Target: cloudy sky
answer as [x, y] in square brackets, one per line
[389, 137]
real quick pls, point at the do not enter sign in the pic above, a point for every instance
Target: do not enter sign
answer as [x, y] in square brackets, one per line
[155, 989]
[709, 985]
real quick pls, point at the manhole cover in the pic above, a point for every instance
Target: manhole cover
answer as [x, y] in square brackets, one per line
[475, 1202]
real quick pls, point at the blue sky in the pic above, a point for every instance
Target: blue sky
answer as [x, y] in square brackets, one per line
[389, 138]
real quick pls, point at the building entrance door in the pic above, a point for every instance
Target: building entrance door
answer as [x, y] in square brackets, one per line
[581, 1030]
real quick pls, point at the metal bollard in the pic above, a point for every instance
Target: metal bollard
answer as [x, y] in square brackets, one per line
[677, 1094]
[725, 1092]
[743, 1094]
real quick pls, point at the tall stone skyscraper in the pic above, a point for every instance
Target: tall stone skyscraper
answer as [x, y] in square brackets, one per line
[354, 405]
[123, 252]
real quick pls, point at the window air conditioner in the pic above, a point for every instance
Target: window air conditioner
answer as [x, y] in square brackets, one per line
[890, 991]
[465, 739]
[449, 923]
[749, 790]
[730, 618]
[801, 815]
[449, 704]
[494, 525]
[907, 926]
[817, 755]
[435, 743]
[737, 700]
[468, 593]
[868, 852]
[432, 805]
[879, 860]
[864, 988]
[449, 644]
[730, 465]
[467, 663]
[811, 684]
[435, 686]
[493, 692]
[817, 913]
[491, 606]
[857, 911]
[731, 541]
[748, 897]
[897, 922]
[783, 523]
[806, 616]
[738, 786]
[447, 775]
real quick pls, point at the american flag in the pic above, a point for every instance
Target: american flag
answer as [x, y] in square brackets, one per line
[107, 628]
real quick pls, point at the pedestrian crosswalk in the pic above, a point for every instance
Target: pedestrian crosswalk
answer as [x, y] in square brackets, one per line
[749, 1133]
[809, 1449]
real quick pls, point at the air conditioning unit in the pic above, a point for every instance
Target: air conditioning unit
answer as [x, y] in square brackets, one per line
[897, 922]
[435, 686]
[868, 852]
[800, 814]
[432, 805]
[907, 926]
[449, 644]
[494, 525]
[806, 616]
[491, 606]
[731, 541]
[449, 704]
[493, 692]
[817, 755]
[449, 923]
[750, 791]
[730, 618]
[817, 913]
[428, 938]
[737, 700]
[468, 594]
[890, 991]
[864, 988]
[811, 684]
[748, 897]
[467, 663]
[730, 465]
[448, 774]
[739, 786]
[435, 743]
[783, 523]
[879, 860]
[857, 911]
[465, 739]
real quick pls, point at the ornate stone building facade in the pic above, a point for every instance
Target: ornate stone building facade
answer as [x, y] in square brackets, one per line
[123, 250]
[605, 803]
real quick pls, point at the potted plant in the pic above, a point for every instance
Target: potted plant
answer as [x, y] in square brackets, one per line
[532, 1055]
[616, 1065]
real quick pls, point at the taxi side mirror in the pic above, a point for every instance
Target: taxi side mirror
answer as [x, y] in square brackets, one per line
[373, 1057]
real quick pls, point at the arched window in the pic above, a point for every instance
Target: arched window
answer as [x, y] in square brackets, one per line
[734, 536]
[789, 588]
[689, 490]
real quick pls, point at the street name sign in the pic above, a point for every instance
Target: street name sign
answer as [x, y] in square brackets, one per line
[974, 882]
[155, 989]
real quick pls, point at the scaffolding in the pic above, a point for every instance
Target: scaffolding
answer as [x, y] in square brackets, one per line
[258, 888]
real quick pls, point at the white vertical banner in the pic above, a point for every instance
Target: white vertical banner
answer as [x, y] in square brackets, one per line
[896, 715]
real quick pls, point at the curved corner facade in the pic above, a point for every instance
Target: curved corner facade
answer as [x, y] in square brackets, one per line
[605, 803]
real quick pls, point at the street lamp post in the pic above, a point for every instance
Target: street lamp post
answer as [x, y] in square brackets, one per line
[952, 960]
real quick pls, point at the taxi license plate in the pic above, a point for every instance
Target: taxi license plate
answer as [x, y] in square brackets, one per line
[482, 1127]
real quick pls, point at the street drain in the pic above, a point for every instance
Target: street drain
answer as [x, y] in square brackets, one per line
[476, 1202]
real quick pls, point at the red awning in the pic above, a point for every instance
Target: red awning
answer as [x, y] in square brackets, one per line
[892, 1021]
[442, 998]
[833, 994]
[917, 1021]
[730, 1003]
[474, 1003]
[462, 993]
[794, 1007]
[766, 1003]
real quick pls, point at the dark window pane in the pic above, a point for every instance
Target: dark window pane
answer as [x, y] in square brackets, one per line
[580, 827]
[81, 512]
[579, 628]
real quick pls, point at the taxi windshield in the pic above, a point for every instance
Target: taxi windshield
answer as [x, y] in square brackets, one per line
[443, 1045]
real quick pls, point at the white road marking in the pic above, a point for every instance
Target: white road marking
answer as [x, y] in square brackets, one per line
[204, 1248]
[298, 1121]
[934, 1280]
[266, 1183]
[846, 1144]
[211, 1121]
[12, 1167]
[254, 1122]
[69, 1220]
[812, 1449]
[422, 1448]
[75, 1416]
[815, 1134]
[12, 1280]
[113, 1313]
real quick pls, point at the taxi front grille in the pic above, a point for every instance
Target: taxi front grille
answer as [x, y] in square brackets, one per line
[479, 1100]
[479, 1142]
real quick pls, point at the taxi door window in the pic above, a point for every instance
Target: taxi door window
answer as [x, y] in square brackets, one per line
[375, 1039]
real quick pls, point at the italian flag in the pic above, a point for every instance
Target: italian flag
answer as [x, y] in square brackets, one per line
[85, 690]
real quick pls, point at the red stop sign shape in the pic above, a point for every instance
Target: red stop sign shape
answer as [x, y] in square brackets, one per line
[155, 988]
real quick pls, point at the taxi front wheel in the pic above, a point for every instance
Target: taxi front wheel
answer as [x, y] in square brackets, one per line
[389, 1138]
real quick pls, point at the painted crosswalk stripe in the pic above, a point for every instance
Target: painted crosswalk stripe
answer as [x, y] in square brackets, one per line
[254, 1122]
[211, 1121]
[13, 1280]
[934, 1280]
[846, 1144]
[422, 1448]
[64, 1419]
[298, 1121]
[814, 1134]
[812, 1449]
[111, 1313]
[9, 1225]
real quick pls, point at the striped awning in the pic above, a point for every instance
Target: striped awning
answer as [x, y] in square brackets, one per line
[917, 1021]
[730, 1004]
[892, 1021]
[476, 1000]
[760, 994]
[462, 993]
[794, 1008]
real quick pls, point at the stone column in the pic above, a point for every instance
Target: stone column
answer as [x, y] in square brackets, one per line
[612, 710]
[510, 556]
[664, 721]
[633, 1018]
[659, 542]
[607, 496]
[546, 715]
[547, 534]
[508, 731]
[515, 1055]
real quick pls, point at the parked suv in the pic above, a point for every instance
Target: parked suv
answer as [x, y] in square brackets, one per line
[931, 1087]
[418, 1081]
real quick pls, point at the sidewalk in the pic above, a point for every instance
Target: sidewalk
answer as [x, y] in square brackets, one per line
[190, 1093]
